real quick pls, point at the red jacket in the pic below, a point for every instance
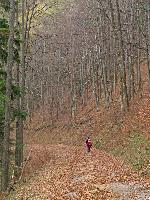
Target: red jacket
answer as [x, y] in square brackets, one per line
[89, 142]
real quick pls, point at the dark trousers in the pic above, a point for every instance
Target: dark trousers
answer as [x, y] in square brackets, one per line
[88, 148]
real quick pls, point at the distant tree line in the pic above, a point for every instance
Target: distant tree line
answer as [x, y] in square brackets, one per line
[95, 50]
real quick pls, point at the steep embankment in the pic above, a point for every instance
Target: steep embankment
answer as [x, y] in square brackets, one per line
[71, 173]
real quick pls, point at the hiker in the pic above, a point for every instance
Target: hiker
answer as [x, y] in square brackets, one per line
[88, 144]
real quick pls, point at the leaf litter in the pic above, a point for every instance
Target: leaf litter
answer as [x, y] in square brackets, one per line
[73, 174]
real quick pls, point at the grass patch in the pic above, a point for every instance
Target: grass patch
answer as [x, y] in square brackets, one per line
[99, 143]
[136, 151]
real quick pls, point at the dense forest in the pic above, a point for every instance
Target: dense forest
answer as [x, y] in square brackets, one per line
[55, 55]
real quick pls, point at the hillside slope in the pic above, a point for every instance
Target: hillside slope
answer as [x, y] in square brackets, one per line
[118, 133]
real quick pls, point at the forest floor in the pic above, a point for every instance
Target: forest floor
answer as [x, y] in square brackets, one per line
[73, 174]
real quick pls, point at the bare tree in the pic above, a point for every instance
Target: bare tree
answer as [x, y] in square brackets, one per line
[8, 112]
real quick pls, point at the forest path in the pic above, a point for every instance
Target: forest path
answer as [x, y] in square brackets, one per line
[74, 174]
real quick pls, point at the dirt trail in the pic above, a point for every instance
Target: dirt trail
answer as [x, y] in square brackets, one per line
[73, 174]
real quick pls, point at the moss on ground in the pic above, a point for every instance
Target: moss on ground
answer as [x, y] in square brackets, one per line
[135, 150]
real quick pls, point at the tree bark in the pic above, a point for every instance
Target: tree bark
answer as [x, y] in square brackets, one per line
[19, 131]
[5, 154]
[124, 93]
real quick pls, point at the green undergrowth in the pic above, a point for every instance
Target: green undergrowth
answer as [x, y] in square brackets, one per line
[135, 150]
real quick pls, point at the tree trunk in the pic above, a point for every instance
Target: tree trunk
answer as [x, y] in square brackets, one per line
[19, 130]
[124, 93]
[5, 154]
